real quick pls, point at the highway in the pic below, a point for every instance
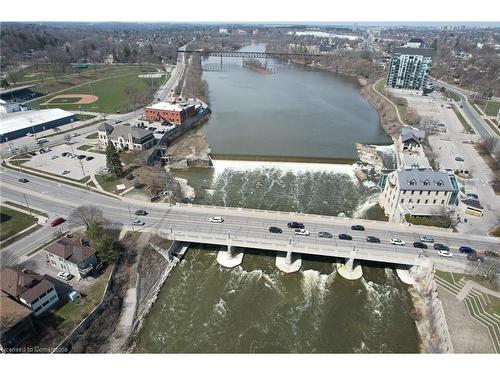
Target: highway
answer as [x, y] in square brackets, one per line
[246, 225]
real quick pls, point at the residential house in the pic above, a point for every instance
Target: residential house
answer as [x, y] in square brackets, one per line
[125, 137]
[73, 256]
[16, 326]
[28, 288]
[411, 138]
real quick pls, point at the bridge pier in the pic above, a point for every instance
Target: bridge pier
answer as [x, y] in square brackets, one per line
[286, 264]
[349, 270]
[229, 258]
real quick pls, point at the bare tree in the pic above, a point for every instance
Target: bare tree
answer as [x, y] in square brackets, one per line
[86, 215]
[67, 137]
[488, 269]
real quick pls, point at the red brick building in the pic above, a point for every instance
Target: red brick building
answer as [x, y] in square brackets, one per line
[173, 113]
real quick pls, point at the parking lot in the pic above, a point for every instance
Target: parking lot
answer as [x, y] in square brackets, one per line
[57, 165]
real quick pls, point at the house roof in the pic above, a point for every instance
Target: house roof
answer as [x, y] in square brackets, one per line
[15, 281]
[71, 250]
[11, 312]
[426, 52]
[423, 179]
[34, 292]
[124, 131]
[409, 133]
[105, 127]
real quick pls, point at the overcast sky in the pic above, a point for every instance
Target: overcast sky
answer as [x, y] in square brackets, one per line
[250, 10]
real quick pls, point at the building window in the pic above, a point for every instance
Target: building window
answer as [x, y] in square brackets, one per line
[45, 303]
[38, 308]
[429, 192]
[442, 202]
[53, 298]
[402, 200]
[413, 191]
[421, 192]
[426, 201]
[418, 201]
[410, 201]
[434, 201]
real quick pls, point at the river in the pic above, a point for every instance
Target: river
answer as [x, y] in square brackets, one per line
[254, 307]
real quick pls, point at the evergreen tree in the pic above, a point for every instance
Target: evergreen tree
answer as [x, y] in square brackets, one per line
[113, 161]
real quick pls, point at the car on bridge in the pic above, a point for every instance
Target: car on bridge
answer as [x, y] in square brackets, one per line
[23, 180]
[440, 246]
[141, 212]
[216, 219]
[295, 225]
[357, 227]
[419, 245]
[397, 241]
[426, 239]
[138, 222]
[445, 253]
[344, 236]
[275, 230]
[302, 232]
[466, 250]
[372, 239]
[325, 235]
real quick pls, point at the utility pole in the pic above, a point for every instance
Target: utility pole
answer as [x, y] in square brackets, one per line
[27, 205]
[84, 175]
[130, 215]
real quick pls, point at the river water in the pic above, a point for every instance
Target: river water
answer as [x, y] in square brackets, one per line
[204, 307]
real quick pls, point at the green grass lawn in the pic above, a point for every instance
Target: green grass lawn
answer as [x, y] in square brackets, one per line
[112, 93]
[92, 136]
[109, 182]
[446, 276]
[451, 95]
[84, 147]
[463, 121]
[23, 207]
[73, 313]
[494, 306]
[13, 222]
[489, 107]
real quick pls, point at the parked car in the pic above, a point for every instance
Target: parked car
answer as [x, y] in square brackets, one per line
[344, 236]
[23, 180]
[275, 230]
[138, 222]
[57, 221]
[41, 140]
[473, 196]
[440, 246]
[29, 134]
[466, 250]
[152, 128]
[302, 232]
[65, 275]
[491, 254]
[52, 157]
[118, 121]
[76, 134]
[372, 239]
[216, 219]
[357, 227]
[295, 225]
[427, 239]
[419, 245]
[80, 157]
[475, 257]
[458, 158]
[141, 212]
[397, 241]
[64, 154]
[154, 198]
[89, 158]
[65, 172]
[445, 253]
[325, 235]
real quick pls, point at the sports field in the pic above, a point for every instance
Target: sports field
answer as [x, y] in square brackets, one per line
[119, 94]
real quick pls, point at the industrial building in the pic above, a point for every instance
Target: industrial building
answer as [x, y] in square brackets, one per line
[410, 66]
[174, 113]
[18, 124]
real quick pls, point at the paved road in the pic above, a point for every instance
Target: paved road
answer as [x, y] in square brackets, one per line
[252, 225]
[477, 122]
